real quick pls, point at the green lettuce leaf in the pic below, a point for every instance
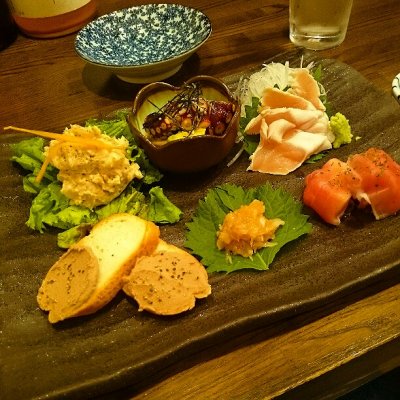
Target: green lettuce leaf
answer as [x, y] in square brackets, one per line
[202, 231]
[51, 208]
[116, 127]
[45, 205]
[67, 238]
[151, 174]
[29, 155]
[31, 186]
[130, 201]
[161, 210]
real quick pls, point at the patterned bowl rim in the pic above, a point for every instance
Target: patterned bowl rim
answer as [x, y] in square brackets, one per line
[187, 51]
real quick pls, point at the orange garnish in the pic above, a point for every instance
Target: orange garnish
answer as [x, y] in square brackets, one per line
[64, 138]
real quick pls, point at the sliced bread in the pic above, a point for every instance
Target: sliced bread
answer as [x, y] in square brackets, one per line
[91, 272]
[168, 281]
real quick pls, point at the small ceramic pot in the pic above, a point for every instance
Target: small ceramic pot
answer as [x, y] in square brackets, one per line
[190, 154]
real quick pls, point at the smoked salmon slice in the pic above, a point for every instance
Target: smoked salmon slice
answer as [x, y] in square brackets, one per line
[380, 176]
[370, 178]
[329, 190]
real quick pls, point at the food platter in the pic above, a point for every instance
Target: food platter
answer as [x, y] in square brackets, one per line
[119, 346]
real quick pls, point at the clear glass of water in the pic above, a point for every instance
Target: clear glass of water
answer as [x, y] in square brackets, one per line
[319, 24]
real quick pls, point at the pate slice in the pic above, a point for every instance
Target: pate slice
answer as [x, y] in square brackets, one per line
[168, 281]
[69, 283]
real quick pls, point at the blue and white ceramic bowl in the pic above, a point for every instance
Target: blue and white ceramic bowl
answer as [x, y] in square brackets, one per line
[145, 43]
[396, 87]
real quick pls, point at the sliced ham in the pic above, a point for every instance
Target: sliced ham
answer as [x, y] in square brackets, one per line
[254, 125]
[315, 121]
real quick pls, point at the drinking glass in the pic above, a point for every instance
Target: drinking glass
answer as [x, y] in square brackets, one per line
[319, 24]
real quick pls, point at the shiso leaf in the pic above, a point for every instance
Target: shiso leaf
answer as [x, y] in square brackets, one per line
[201, 237]
[250, 142]
[315, 158]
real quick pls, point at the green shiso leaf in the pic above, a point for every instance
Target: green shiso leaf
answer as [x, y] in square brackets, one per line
[201, 237]
[315, 158]
[250, 113]
[317, 73]
[250, 142]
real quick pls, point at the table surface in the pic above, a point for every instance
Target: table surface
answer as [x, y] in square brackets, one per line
[317, 355]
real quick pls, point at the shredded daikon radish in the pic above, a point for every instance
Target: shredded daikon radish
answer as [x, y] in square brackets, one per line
[271, 75]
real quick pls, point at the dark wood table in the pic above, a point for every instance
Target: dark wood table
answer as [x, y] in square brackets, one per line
[320, 354]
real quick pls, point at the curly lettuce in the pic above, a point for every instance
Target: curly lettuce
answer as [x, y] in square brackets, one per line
[51, 208]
